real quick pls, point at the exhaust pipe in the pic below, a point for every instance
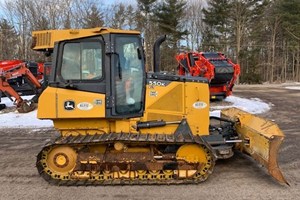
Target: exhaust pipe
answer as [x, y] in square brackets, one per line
[156, 52]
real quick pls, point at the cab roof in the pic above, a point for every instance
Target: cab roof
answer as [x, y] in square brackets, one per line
[44, 40]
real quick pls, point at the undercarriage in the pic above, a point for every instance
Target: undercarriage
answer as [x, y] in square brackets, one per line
[125, 159]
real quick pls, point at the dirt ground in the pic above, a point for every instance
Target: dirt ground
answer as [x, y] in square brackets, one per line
[236, 178]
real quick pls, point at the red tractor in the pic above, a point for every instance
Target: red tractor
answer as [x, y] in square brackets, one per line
[20, 83]
[17, 78]
[219, 70]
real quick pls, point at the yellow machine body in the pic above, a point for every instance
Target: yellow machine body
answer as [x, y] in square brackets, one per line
[189, 101]
[179, 101]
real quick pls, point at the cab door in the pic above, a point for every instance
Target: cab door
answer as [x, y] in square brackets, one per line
[128, 77]
[79, 78]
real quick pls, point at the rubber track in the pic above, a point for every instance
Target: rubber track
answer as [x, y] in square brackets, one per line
[123, 137]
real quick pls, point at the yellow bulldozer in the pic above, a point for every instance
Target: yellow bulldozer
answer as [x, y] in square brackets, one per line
[119, 124]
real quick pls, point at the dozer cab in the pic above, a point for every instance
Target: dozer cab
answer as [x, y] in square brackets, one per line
[125, 126]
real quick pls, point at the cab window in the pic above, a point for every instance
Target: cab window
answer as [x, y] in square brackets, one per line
[82, 61]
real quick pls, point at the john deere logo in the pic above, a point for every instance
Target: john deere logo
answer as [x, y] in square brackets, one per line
[69, 105]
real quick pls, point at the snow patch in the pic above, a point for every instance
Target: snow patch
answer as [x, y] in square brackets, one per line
[293, 87]
[253, 105]
[215, 113]
[9, 103]
[23, 120]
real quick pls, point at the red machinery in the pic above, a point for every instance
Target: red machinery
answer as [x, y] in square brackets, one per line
[12, 70]
[219, 70]
[20, 83]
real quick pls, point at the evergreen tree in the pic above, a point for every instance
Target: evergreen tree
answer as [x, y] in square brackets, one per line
[144, 15]
[119, 18]
[231, 28]
[93, 18]
[146, 6]
[131, 18]
[216, 18]
[289, 10]
[8, 41]
[168, 16]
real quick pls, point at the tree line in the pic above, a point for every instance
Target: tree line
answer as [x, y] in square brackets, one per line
[263, 36]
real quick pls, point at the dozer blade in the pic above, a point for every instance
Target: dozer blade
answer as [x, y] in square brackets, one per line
[261, 139]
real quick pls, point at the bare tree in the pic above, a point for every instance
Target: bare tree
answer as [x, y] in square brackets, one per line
[194, 23]
[148, 27]
[14, 12]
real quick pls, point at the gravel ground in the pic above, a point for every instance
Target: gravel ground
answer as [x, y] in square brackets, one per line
[236, 178]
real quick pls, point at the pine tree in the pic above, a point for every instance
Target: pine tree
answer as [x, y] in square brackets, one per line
[216, 18]
[131, 18]
[93, 18]
[145, 14]
[119, 19]
[289, 10]
[231, 25]
[168, 16]
[8, 41]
